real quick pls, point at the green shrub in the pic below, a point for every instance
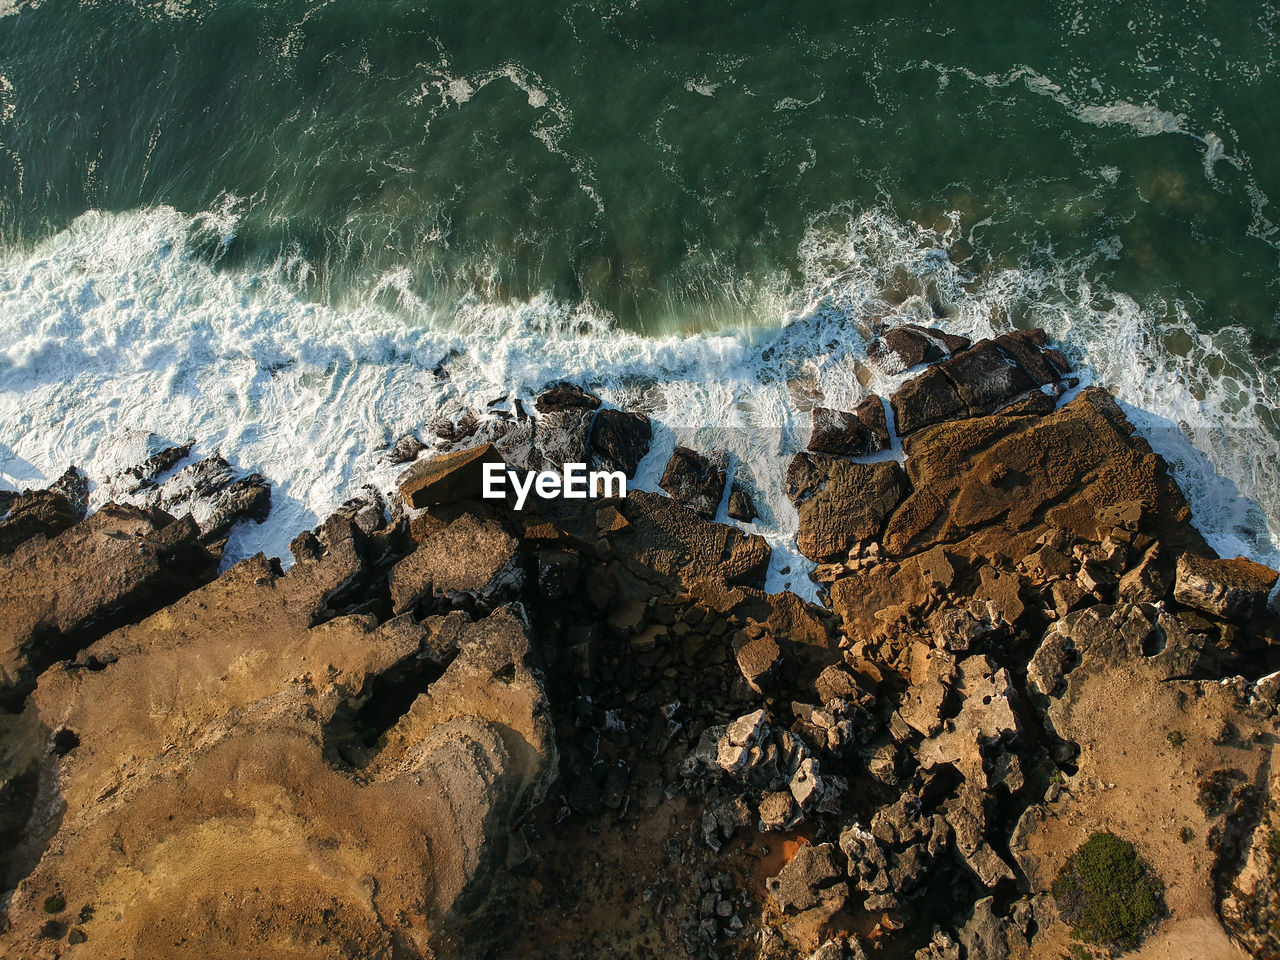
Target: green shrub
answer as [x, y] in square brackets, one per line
[1107, 894]
[1175, 738]
[54, 903]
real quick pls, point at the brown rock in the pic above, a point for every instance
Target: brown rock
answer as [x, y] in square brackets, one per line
[839, 434]
[694, 480]
[59, 595]
[1231, 589]
[447, 478]
[756, 657]
[470, 557]
[741, 507]
[35, 513]
[669, 544]
[929, 398]
[841, 503]
[620, 440]
[913, 345]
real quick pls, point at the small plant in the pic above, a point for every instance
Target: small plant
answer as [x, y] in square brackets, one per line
[1058, 777]
[54, 903]
[1176, 739]
[1079, 953]
[1187, 834]
[1107, 894]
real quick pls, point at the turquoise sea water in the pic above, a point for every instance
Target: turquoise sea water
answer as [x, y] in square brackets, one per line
[246, 220]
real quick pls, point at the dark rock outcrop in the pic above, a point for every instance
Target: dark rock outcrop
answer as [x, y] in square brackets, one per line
[695, 480]
[620, 440]
[856, 434]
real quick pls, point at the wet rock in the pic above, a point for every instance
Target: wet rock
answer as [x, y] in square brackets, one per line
[694, 480]
[447, 478]
[620, 440]
[929, 398]
[978, 381]
[1231, 589]
[799, 885]
[565, 396]
[470, 558]
[840, 434]
[912, 345]
[406, 449]
[841, 503]
[741, 507]
[248, 498]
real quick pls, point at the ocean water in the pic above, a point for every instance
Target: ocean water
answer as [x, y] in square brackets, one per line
[294, 231]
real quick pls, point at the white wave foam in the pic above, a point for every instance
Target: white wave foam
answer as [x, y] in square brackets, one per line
[114, 328]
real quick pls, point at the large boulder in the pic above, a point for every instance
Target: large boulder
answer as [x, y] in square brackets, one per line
[978, 381]
[840, 434]
[620, 440]
[1231, 589]
[911, 345]
[695, 480]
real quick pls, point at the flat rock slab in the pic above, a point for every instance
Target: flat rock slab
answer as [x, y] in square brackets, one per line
[842, 503]
[469, 556]
[120, 562]
[447, 478]
[1231, 589]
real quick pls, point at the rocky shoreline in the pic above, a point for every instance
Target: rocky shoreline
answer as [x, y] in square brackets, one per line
[453, 729]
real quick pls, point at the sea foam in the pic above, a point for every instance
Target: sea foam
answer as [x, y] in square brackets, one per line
[119, 333]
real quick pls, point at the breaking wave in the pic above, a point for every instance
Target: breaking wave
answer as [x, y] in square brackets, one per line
[123, 331]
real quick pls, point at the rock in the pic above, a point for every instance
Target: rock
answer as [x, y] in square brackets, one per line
[1231, 589]
[58, 596]
[620, 440]
[694, 480]
[559, 437]
[988, 937]
[1149, 581]
[35, 513]
[73, 485]
[742, 744]
[835, 683]
[913, 345]
[839, 434]
[741, 507]
[942, 947]
[932, 673]
[929, 398]
[248, 498]
[406, 449]
[470, 558]
[841, 503]
[799, 884]
[448, 478]
[757, 657]
[1048, 667]
[978, 381]
[778, 811]
[565, 396]
[959, 630]
[671, 545]
[235, 697]
[997, 483]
